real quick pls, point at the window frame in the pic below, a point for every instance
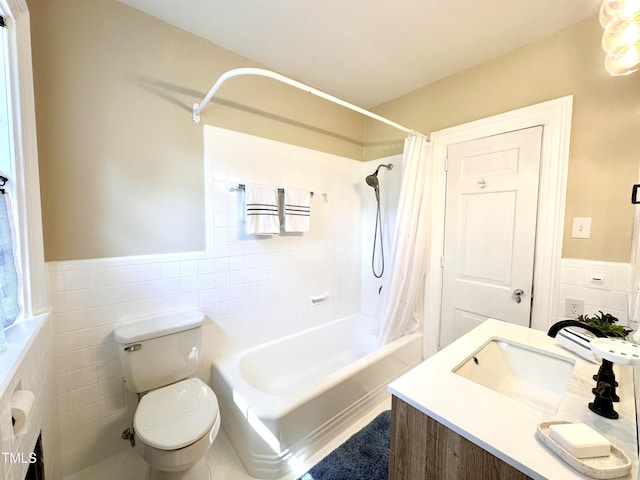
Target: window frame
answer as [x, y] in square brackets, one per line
[24, 183]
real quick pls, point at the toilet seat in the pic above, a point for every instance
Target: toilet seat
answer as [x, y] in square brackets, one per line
[177, 415]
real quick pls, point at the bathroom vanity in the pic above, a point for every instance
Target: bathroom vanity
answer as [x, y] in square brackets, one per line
[453, 417]
[422, 448]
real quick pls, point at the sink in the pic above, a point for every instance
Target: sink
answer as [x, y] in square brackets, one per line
[534, 377]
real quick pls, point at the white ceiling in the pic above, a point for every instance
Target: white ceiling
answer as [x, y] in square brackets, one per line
[369, 51]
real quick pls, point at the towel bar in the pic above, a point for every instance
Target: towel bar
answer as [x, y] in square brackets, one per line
[241, 186]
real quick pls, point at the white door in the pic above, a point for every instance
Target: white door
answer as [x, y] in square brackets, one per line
[490, 225]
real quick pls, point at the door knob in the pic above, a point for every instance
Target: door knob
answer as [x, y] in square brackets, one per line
[517, 295]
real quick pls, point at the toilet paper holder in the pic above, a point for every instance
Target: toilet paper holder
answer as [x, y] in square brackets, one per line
[21, 404]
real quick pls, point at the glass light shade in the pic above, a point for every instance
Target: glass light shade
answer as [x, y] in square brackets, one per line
[618, 9]
[624, 61]
[619, 33]
[621, 38]
[605, 15]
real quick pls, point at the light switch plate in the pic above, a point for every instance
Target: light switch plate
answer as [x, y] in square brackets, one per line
[581, 227]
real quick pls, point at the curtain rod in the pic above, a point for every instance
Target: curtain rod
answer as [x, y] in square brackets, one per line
[197, 107]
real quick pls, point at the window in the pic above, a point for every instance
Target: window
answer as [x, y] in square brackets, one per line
[4, 119]
[19, 162]
[9, 279]
[5, 128]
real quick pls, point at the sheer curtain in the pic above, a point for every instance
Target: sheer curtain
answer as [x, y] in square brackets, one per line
[401, 310]
[9, 282]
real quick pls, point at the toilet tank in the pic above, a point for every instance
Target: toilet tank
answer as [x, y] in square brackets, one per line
[160, 350]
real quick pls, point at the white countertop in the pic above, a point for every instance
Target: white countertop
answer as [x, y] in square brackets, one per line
[506, 427]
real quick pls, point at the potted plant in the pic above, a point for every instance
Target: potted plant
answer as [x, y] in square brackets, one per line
[606, 323]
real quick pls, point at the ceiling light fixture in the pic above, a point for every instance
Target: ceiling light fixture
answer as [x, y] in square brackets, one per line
[621, 38]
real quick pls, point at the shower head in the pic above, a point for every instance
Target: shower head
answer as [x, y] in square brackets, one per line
[372, 180]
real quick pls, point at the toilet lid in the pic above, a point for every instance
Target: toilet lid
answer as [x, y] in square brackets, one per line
[177, 415]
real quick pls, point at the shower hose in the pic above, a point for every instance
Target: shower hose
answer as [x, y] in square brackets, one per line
[377, 229]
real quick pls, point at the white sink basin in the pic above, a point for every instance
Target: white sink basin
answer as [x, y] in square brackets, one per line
[534, 377]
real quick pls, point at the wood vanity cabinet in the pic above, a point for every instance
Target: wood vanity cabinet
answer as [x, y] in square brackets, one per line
[424, 449]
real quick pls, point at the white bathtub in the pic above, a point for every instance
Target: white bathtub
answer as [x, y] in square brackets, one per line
[282, 401]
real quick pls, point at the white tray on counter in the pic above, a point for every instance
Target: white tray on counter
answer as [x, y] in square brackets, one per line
[617, 464]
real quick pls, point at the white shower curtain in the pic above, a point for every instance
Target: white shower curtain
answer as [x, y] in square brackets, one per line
[402, 304]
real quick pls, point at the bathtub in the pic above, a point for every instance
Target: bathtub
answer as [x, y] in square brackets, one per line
[282, 401]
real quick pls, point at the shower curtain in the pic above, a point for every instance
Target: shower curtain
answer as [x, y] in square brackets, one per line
[401, 310]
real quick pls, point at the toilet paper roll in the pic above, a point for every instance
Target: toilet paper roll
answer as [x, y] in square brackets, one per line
[21, 404]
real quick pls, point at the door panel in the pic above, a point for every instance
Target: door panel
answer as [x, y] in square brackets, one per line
[491, 209]
[486, 220]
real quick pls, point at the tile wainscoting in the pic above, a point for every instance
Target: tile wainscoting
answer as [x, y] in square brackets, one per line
[35, 373]
[603, 286]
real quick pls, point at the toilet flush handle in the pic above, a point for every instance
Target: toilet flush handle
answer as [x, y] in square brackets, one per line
[133, 348]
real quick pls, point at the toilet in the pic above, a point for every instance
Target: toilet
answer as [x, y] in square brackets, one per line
[177, 418]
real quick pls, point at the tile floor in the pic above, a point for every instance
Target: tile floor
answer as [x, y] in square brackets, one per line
[127, 465]
[223, 461]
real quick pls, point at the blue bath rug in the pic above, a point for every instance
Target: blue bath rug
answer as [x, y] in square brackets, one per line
[365, 456]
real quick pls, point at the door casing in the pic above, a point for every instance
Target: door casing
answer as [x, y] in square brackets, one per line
[555, 117]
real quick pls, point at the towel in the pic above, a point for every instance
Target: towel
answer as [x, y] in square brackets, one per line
[297, 210]
[262, 217]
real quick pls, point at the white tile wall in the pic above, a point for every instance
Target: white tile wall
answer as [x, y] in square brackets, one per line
[36, 374]
[90, 298]
[251, 288]
[262, 284]
[610, 294]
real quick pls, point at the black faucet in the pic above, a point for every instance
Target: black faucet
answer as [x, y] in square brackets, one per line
[556, 327]
[605, 389]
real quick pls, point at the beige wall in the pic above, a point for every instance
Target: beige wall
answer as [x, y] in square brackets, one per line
[605, 137]
[121, 162]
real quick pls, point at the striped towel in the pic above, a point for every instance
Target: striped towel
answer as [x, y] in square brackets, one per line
[262, 217]
[297, 210]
